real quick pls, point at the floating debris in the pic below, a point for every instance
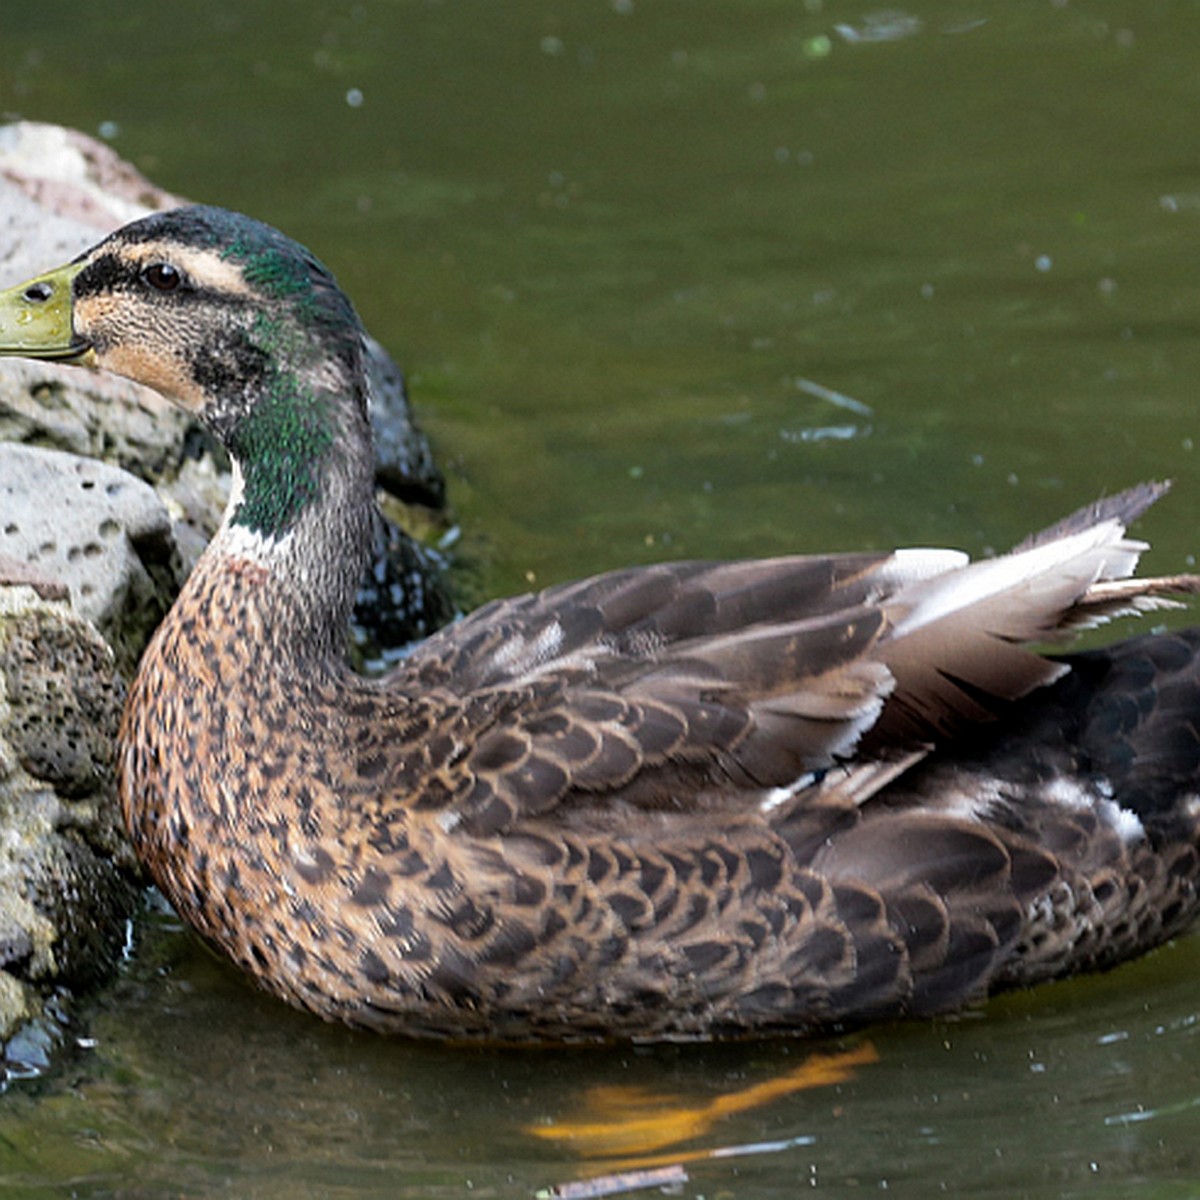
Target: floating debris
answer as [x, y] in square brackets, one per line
[823, 433]
[613, 1185]
[884, 26]
[821, 392]
[669, 1175]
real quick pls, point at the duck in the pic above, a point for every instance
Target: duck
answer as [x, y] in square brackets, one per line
[692, 800]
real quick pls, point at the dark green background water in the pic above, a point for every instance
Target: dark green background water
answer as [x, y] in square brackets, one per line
[615, 245]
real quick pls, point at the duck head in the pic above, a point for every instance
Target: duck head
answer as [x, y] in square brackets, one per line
[227, 318]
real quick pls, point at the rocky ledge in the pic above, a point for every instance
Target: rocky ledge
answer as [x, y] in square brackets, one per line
[107, 496]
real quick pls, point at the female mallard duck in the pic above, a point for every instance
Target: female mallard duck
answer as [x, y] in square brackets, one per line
[702, 798]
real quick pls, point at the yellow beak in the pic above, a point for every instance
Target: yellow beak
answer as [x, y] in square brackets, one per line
[36, 318]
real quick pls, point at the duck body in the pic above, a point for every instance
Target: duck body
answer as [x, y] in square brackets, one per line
[691, 800]
[450, 891]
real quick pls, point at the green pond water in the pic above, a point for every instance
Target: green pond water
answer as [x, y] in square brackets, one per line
[679, 278]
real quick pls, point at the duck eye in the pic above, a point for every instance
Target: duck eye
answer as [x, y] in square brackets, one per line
[162, 276]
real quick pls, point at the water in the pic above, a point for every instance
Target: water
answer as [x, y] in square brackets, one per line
[682, 278]
[198, 1087]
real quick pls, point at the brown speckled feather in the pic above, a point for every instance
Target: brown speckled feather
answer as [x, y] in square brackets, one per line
[696, 799]
[550, 822]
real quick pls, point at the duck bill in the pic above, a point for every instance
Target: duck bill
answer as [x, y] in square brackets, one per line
[36, 318]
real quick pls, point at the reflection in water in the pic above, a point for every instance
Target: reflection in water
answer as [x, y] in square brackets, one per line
[627, 1122]
[630, 1121]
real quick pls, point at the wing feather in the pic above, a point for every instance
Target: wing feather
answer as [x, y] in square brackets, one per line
[698, 683]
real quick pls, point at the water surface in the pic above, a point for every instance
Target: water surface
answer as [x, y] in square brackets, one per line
[670, 278]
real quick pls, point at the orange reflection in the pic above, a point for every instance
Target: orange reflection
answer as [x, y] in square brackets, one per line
[634, 1121]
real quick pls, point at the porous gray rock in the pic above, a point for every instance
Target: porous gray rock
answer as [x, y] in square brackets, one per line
[62, 191]
[404, 464]
[68, 880]
[98, 530]
[64, 408]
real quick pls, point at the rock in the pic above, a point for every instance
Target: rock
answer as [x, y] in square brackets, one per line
[18, 1003]
[404, 464]
[97, 529]
[64, 408]
[401, 597]
[75, 187]
[68, 880]
[30, 1050]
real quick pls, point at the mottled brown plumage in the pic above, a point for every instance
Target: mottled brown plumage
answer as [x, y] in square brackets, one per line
[697, 799]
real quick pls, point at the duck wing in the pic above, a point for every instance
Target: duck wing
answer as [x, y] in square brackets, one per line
[724, 685]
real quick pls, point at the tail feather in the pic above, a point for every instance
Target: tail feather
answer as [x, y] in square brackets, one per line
[1124, 508]
[957, 642]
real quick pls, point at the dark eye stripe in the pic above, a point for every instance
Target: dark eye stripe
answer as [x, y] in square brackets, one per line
[112, 273]
[106, 273]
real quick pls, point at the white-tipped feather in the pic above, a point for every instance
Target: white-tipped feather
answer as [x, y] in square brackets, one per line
[914, 564]
[956, 639]
[1077, 562]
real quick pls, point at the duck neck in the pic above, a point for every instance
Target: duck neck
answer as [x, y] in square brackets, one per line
[300, 517]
